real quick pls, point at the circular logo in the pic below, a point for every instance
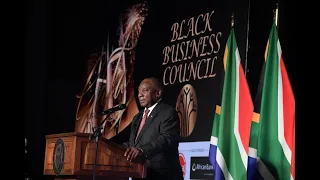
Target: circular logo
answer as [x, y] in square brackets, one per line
[182, 163]
[194, 167]
[58, 156]
[186, 107]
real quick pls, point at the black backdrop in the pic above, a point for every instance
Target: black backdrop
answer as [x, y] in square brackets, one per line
[59, 35]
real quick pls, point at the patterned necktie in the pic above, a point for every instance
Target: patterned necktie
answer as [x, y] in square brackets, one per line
[143, 120]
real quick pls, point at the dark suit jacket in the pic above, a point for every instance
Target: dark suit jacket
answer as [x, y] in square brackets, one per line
[159, 141]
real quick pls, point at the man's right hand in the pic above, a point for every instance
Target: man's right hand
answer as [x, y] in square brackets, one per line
[134, 154]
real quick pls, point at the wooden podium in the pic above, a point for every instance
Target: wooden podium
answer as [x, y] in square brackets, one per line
[72, 155]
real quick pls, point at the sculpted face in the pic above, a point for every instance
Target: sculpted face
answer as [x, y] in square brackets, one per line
[148, 93]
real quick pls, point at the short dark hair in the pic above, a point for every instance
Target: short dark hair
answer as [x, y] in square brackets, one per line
[156, 82]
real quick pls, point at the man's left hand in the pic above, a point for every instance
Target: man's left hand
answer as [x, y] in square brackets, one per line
[134, 154]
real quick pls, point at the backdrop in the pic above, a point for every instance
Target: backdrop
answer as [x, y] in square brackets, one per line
[180, 43]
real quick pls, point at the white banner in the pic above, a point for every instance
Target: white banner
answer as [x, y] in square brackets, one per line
[194, 159]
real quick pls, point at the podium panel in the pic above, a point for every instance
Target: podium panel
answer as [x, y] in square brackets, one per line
[71, 156]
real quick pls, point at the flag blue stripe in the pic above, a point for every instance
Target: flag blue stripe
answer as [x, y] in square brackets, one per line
[252, 172]
[218, 174]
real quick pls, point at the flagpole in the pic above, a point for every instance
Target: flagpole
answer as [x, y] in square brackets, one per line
[276, 14]
[232, 20]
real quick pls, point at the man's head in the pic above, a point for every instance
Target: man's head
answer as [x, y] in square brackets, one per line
[149, 92]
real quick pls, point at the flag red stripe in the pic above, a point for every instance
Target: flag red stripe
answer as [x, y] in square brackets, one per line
[245, 109]
[288, 110]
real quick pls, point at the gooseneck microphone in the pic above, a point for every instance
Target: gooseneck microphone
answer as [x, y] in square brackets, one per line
[113, 109]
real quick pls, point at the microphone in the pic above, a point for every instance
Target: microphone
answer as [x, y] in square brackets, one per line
[113, 109]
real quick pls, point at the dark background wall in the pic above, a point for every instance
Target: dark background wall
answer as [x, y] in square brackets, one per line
[60, 35]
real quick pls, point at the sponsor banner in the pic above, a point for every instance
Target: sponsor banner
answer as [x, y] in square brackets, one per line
[194, 160]
[201, 168]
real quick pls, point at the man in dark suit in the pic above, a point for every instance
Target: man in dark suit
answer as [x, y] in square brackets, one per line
[154, 134]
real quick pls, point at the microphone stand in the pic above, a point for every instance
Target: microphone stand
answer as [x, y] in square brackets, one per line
[117, 127]
[96, 136]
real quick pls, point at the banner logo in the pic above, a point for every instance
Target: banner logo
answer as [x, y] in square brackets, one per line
[182, 163]
[186, 107]
[200, 168]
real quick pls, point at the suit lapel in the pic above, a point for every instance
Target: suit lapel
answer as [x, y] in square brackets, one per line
[149, 120]
[136, 123]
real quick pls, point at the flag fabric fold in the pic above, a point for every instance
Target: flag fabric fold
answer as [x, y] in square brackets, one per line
[273, 125]
[232, 120]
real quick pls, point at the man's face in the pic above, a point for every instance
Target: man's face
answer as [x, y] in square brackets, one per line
[148, 94]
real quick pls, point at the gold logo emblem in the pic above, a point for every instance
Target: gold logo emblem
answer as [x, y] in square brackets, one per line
[187, 109]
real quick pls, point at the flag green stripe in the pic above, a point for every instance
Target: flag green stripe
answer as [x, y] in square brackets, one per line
[254, 133]
[215, 128]
[227, 143]
[269, 148]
